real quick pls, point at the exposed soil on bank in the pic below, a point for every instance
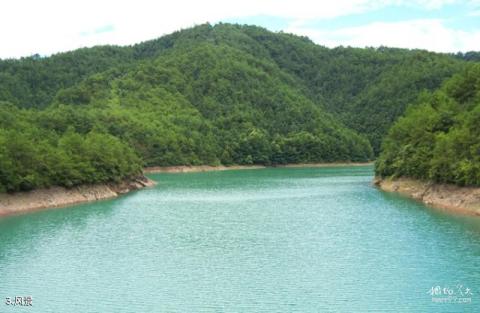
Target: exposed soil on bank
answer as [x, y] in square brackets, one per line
[207, 168]
[451, 198]
[23, 202]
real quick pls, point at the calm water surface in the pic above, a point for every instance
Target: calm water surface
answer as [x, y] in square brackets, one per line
[272, 240]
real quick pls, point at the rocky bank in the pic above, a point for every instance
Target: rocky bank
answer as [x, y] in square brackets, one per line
[22, 202]
[462, 200]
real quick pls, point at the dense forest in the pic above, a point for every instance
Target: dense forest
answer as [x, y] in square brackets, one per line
[439, 138]
[224, 94]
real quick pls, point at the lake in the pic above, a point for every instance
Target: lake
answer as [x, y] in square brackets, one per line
[269, 240]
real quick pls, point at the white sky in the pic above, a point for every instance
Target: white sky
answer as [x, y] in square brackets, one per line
[45, 27]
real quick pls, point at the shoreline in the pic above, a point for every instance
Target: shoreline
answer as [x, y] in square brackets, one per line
[445, 197]
[210, 168]
[58, 197]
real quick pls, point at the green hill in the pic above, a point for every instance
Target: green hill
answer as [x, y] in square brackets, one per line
[224, 94]
[439, 138]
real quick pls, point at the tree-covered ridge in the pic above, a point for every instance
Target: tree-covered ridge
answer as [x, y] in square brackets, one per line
[224, 94]
[212, 104]
[439, 138]
[32, 82]
[366, 89]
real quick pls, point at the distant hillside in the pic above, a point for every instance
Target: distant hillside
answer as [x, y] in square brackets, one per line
[367, 89]
[224, 94]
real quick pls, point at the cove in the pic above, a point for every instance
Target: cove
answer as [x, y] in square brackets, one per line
[267, 240]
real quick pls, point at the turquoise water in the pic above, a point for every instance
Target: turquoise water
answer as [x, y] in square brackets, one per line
[272, 240]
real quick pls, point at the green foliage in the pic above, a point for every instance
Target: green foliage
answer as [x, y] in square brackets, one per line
[32, 156]
[438, 140]
[224, 94]
[34, 81]
[366, 89]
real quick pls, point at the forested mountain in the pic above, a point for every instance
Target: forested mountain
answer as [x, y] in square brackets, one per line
[33, 82]
[439, 138]
[224, 94]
